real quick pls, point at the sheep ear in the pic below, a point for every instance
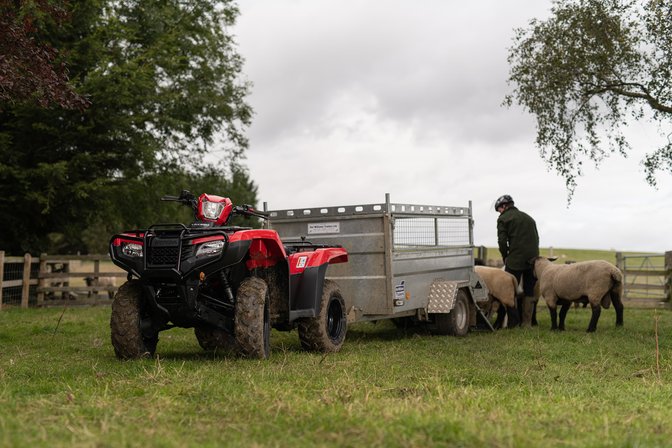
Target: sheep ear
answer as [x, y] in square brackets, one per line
[552, 258]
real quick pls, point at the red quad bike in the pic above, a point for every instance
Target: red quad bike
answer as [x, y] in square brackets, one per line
[231, 284]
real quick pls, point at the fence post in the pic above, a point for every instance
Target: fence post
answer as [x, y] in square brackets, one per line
[2, 273]
[41, 282]
[96, 279]
[668, 275]
[619, 261]
[25, 290]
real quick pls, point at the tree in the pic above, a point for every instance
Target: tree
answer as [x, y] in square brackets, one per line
[28, 68]
[586, 72]
[163, 81]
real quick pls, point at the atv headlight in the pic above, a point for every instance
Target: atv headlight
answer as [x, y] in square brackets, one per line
[210, 249]
[133, 250]
[212, 210]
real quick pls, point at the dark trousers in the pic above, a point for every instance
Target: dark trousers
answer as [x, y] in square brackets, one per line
[528, 282]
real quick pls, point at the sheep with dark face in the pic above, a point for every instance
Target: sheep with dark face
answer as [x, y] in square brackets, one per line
[108, 284]
[597, 281]
[502, 288]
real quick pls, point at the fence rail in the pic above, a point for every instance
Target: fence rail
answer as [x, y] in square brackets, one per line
[56, 280]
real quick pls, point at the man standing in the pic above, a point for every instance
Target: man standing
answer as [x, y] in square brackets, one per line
[519, 244]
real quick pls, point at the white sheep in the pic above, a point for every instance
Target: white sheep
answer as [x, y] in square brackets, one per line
[108, 284]
[598, 281]
[503, 289]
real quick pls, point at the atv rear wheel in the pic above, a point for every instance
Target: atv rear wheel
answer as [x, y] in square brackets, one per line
[210, 338]
[252, 318]
[127, 338]
[456, 322]
[325, 332]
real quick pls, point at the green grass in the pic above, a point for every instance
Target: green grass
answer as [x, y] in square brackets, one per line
[387, 387]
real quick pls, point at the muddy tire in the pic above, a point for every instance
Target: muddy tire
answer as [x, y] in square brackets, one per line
[210, 338]
[325, 332]
[456, 322]
[127, 338]
[252, 319]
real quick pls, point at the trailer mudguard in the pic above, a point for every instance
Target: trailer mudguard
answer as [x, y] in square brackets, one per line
[442, 293]
[306, 279]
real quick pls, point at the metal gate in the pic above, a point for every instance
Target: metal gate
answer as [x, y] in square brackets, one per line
[646, 279]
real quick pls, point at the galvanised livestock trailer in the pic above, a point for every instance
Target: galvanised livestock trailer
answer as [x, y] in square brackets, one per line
[407, 262]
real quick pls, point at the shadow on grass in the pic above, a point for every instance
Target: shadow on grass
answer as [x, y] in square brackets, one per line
[386, 331]
[288, 342]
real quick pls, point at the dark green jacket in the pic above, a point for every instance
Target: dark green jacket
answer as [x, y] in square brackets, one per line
[518, 238]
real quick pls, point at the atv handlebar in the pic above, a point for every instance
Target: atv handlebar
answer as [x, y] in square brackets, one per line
[247, 210]
[185, 197]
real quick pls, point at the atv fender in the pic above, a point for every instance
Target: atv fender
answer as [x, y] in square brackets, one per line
[307, 271]
[266, 249]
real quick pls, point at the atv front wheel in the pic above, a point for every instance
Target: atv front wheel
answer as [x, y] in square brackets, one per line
[325, 332]
[253, 319]
[127, 338]
[210, 338]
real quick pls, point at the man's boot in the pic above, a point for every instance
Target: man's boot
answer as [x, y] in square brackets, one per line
[528, 309]
[520, 305]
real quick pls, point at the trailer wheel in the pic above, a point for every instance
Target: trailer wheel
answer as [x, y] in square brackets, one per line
[325, 332]
[456, 322]
[252, 318]
[127, 338]
[210, 338]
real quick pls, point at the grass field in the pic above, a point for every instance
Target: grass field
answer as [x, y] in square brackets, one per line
[60, 385]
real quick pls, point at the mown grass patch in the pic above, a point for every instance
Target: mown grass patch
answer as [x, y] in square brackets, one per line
[60, 385]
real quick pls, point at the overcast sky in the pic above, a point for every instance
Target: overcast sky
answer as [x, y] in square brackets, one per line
[355, 99]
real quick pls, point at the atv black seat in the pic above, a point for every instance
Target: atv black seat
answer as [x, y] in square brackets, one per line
[297, 246]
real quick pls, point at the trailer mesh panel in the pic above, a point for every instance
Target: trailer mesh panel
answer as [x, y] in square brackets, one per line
[430, 232]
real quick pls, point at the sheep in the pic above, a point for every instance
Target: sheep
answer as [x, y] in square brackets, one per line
[107, 283]
[502, 288]
[598, 281]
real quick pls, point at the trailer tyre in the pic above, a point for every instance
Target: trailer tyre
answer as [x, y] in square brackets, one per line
[325, 332]
[127, 338]
[252, 318]
[210, 338]
[456, 322]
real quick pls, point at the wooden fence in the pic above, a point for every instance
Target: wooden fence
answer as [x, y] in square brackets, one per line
[60, 279]
[56, 280]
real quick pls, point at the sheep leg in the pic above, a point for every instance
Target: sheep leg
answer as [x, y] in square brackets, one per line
[534, 315]
[499, 321]
[512, 313]
[592, 326]
[554, 317]
[563, 313]
[618, 306]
